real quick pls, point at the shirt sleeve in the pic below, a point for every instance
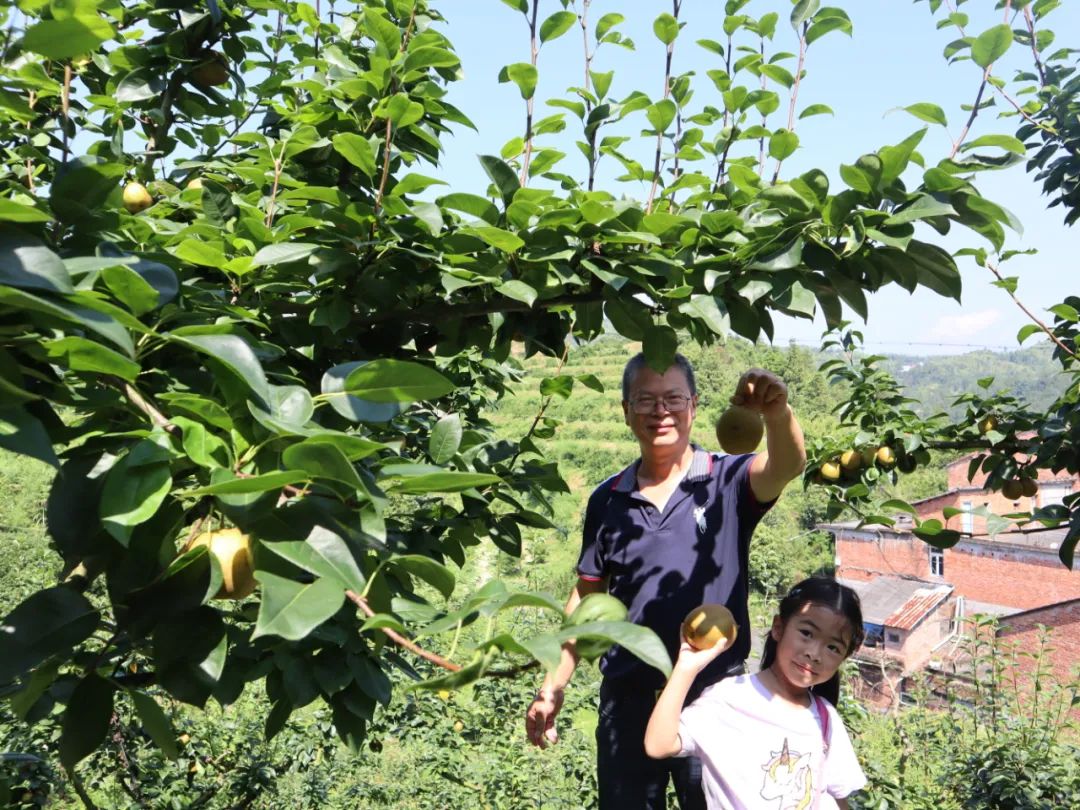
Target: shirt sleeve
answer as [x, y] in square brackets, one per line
[591, 562]
[699, 718]
[843, 774]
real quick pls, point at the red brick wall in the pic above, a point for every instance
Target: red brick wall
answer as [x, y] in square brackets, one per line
[1064, 623]
[1013, 577]
[888, 553]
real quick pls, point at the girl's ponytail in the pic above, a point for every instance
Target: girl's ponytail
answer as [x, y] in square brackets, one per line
[829, 593]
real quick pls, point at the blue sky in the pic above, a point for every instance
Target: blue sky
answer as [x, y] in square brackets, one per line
[892, 60]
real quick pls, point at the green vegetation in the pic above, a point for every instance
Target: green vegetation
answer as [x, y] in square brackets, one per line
[234, 294]
[417, 756]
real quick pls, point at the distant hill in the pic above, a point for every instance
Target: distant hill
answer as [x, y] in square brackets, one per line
[1031, 374]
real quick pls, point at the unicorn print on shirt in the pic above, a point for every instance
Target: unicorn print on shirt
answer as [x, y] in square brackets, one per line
[788, 779]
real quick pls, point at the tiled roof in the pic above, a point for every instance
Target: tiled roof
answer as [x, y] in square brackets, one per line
[896, 602]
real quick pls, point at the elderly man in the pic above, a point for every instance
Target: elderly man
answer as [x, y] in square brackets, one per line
[668, 533]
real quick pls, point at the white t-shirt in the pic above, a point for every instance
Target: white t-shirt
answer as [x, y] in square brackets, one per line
[759, 752]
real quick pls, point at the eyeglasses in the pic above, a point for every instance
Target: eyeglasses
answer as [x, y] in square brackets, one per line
[673, 403]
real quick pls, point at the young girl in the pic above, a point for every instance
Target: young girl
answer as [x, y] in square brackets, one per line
[770, 740]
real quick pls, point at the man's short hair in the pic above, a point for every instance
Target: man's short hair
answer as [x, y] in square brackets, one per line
[637, 363]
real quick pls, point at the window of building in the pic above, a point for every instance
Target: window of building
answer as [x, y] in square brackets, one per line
[937, 562]
[967, 520]
[893, 638]
[1053, 493]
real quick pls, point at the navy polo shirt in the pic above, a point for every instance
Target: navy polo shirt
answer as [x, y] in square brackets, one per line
[662, 565]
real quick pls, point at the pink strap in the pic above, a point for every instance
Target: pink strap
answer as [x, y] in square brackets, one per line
[823, 713]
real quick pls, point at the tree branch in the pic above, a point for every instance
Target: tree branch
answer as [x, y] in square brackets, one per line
[534, 52]
[1049, 332]
[143, 404]
[1030, 21]
[660, 135]
[794, 93]
[978, 96]
[399, 639]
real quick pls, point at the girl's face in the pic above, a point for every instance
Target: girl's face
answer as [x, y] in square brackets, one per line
[810, 645]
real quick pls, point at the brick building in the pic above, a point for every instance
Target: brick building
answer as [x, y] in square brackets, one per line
[917, 597]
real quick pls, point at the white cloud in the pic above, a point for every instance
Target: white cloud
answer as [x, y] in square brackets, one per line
[959, 327]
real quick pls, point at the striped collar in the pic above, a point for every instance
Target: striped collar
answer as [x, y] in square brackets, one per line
[700, 469]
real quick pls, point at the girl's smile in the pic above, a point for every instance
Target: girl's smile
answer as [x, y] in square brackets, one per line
[810, 646]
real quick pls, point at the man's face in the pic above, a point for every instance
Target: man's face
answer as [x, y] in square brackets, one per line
[660, 427]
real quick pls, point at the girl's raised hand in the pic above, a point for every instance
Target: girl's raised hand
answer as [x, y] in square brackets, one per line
[694, 660]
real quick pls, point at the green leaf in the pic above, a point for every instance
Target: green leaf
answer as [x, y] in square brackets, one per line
[787, 257]
[523, 74]
[661, 114]
[135, 489]
[659, 346]
[556, 25]
[86, 719]
[156, 723]
[923, 207]
[82, 186]
[471, 204]
[92, 319]
[638, 640]
[202, 446]
[433, 573]
[26, 262]
[357, 150]
[283, 253]
[291, 609]
[234, 354]
[47, 623]
[931, 113]
[519, 291]
[816, 109]
[14, 211]
[353, 407]
[826, 21]
[397, 381]
[403, 111]
[897, 505]
[606, 23]
[134, 290]
[666, 28]
[711, 311]
[62, 39]
[251, 484]
[778, 74]
[323, 554]
[1027, 331]
[804, 10]
[496, 237]
[782, 144]
[935, 269]
[1006, 142]
[561, 385]
[448, 481]
[80, 354]
[201, 253]
[23, 433]
[140, 84]
[445, 438]
[504, 178]
[322, 460]
[991, 45]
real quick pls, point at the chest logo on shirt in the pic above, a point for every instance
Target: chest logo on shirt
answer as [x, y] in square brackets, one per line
[788, 780]
[699, 518]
